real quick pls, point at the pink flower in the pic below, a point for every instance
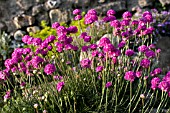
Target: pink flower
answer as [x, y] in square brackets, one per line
[108, 84]
[99, 68]
[77, 12]
[154, 82]
[59, 86]
[130, 76]
[85, 63]
[49, 69]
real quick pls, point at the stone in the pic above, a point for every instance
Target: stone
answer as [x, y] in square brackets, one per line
[132, 5]
[33, 29]
[11, 27]
[23, 21]
[19, 34]
[37, 9]
[25, 4]
[101, 1]
[57, 15]
[117, 6]
[51, 4]
[145, 3]
[3, 26]
[42, 16]
[165, 2]
[84, 3]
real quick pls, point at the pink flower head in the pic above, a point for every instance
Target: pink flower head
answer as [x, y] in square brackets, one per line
[115, 23]
[129, 52]
[85, 63]
[150, 54]
[87, 38]
[55, 25]
[103, 41]
[108, 48]
[7, 95]
[78, 17]
[108, 84]
[99, 68]
[83, 35]
[110, 12]
[59, 86]
[130, 76]
[143, 48]
[127, 15]
[85, 48]
[138, 74]
[77, 12]
[72, 29]
[157, 71]
[164, 86]
[93, 46]
[154, 82]
[49, 69]
[92, 12]
[145, 63]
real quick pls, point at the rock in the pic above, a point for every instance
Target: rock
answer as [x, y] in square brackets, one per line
[84, 3]
[132, 5]
[23, 20]
[42, 16]
[163, 44]
[12, 26]
[25, 4]
[101, 1]
[51, 4]
[33, 29]
[19, 34]
[145, 3]
[57, 15]
[117, 6]
[37, 9]
[165, 2]
[3, 26]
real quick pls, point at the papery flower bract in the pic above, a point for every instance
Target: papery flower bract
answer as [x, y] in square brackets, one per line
[108, 84]
[145, 63]
[129, 52]
[49, 69]
[85, 63]
[59, 86]
[130, 76]
[99, 68]
[154, 82]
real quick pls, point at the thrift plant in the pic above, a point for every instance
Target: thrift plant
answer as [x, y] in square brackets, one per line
[113, 73]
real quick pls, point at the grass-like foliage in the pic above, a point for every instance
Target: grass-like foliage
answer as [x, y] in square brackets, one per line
[111, 67]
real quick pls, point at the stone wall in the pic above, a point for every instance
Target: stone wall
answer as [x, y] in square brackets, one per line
[26, 15]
